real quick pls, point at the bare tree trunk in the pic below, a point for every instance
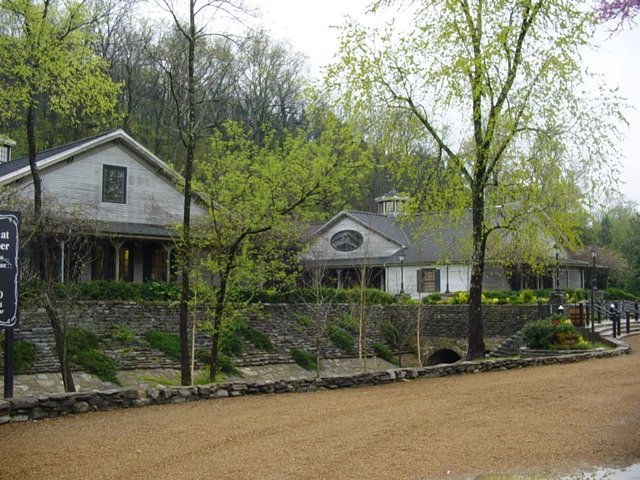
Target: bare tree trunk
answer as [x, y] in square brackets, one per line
[44, 261]
[476, 327]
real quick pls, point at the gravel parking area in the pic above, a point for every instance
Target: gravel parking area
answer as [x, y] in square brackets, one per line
[542, 420]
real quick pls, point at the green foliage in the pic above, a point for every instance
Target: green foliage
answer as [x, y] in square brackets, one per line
[383, 352]
[160, 291]
[83, 349]
[225, 363]
[122, 333]
[79, 339]
[618, 294]
[50, 66]
[432, 299]
[24, 354]
[304, 359]
[389, 333]
[98, 364]
[165, 342]
[526, 296]
[458, 298]
[554, 333]
[258, 339]
[230, 341]
[348, 322]
[538, 334]
[341, 338]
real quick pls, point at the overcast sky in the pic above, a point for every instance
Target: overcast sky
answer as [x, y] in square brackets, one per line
[307, 26]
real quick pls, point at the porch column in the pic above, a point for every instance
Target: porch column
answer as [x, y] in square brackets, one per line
[117, 246]
[168, 249]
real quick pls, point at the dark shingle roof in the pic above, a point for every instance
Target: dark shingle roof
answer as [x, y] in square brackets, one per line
[22, 162]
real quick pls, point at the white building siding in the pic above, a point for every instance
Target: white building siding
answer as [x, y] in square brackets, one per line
[458, 279]
[374, 246]
[151, 198]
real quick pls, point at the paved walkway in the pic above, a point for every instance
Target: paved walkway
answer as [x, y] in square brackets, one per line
[50, 383]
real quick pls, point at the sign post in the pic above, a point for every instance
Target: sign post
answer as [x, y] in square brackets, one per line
[9, 281]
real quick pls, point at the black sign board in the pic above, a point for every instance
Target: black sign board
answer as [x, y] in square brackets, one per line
[9, 228]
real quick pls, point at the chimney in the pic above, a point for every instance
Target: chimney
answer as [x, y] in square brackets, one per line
[6, 144]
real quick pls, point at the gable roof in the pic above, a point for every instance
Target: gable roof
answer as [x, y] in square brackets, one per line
[19, 168]
[380, 224]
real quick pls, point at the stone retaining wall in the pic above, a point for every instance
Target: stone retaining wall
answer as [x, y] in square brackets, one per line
[442, 326]
[36, 408]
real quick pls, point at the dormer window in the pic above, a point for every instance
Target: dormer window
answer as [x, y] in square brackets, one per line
[114, 184]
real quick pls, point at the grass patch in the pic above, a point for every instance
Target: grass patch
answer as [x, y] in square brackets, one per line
[305, 359]
[165, 342]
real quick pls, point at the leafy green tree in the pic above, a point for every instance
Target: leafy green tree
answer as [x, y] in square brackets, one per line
[259, 197]
[46, 62]
[491, 92]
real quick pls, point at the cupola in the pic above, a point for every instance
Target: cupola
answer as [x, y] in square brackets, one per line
[391, 204]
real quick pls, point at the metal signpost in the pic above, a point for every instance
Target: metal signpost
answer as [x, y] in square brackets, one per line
[9, 246]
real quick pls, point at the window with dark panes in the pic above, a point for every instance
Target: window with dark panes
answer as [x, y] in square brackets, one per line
[428, 280]
[114, 184]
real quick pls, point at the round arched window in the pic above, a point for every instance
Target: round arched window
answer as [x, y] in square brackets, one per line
[347, 240]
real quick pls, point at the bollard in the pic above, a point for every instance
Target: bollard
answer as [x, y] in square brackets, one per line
[628, 322]
[612, 317]
[636, 309]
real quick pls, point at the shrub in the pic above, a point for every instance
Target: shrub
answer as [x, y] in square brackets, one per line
[98, 364]
[257, 339]
[230, 342]
[526, 296]
[341, 338]
[226, 366]
[554, 333]
[538, 334]
[459, 298]
[305, 359]
[122, 333]
[83, 348]
[160, 291]
[225, 363]
[384, 353]
[432, 299]
[618, 294]
[165, 342]
[24, 354]
[80, 339]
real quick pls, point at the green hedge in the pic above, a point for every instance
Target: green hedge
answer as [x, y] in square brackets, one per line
[618, 294]
[111, 290]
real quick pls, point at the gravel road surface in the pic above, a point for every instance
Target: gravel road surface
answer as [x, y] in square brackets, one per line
[541, 420]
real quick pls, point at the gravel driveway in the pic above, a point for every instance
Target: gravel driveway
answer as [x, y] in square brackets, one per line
[540, 420]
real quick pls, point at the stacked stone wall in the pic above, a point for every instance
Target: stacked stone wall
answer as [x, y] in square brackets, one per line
[288, 326]
[36, 408]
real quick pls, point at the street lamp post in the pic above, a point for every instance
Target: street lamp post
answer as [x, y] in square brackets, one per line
[447, 289]
[556, 248]
[594, 285]
[401, 258]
